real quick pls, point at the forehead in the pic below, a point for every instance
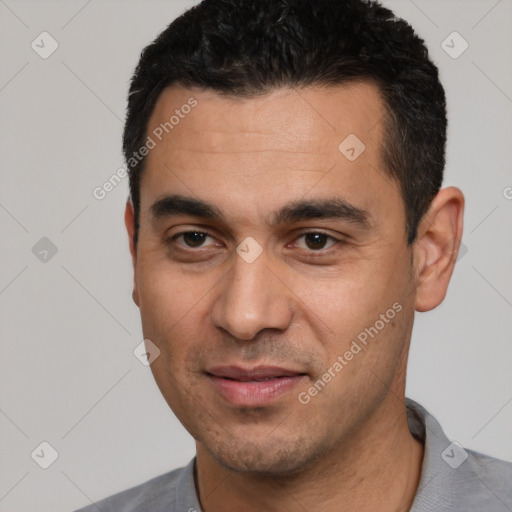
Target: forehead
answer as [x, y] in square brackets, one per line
[298, 118]
[280, 147]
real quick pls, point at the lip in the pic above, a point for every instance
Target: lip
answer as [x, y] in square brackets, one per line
[253, 387]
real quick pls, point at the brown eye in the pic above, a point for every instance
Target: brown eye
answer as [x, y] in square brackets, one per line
[194, 238]
[316, 241]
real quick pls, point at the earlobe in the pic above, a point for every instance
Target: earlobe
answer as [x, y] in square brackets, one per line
[437, 246]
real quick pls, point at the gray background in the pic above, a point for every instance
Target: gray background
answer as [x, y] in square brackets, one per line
[68, 325]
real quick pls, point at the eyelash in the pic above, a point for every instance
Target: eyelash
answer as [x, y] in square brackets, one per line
[183, 233]
[337, 241]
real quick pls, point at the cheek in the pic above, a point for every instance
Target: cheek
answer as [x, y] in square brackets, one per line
[170, 302]
[362, 303]
[343, 302]
[172, 311]
[164, 289]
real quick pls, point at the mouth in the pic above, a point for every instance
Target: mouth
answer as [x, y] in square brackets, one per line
[253, 387]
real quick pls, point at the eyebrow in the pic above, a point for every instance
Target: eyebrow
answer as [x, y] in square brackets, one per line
[173, 205]
[331, 208]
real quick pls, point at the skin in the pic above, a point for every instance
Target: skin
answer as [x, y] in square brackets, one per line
[295, 307]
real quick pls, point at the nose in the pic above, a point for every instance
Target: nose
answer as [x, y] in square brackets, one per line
[252, 297]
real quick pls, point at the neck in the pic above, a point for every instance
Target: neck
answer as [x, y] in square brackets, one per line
[376, 467]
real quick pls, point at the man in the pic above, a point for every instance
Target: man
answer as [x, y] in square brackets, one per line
[286, 220]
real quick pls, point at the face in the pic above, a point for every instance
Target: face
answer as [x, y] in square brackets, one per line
[272, 270]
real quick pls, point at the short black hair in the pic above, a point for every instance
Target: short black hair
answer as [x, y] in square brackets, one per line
[245, 48]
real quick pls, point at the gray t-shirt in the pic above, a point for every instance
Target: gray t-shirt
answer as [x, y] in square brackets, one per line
[452, 479]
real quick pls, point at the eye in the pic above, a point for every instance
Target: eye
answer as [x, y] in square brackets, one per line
[316, 241]
[193, 239]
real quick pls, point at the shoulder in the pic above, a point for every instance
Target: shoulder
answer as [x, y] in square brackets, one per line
[491, 475]
[453, 478]
[165, 493]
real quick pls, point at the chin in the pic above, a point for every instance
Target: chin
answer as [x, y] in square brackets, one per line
[277, 457]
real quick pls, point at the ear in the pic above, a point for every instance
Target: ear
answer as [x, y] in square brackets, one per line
[437, 246]
[129, 221]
